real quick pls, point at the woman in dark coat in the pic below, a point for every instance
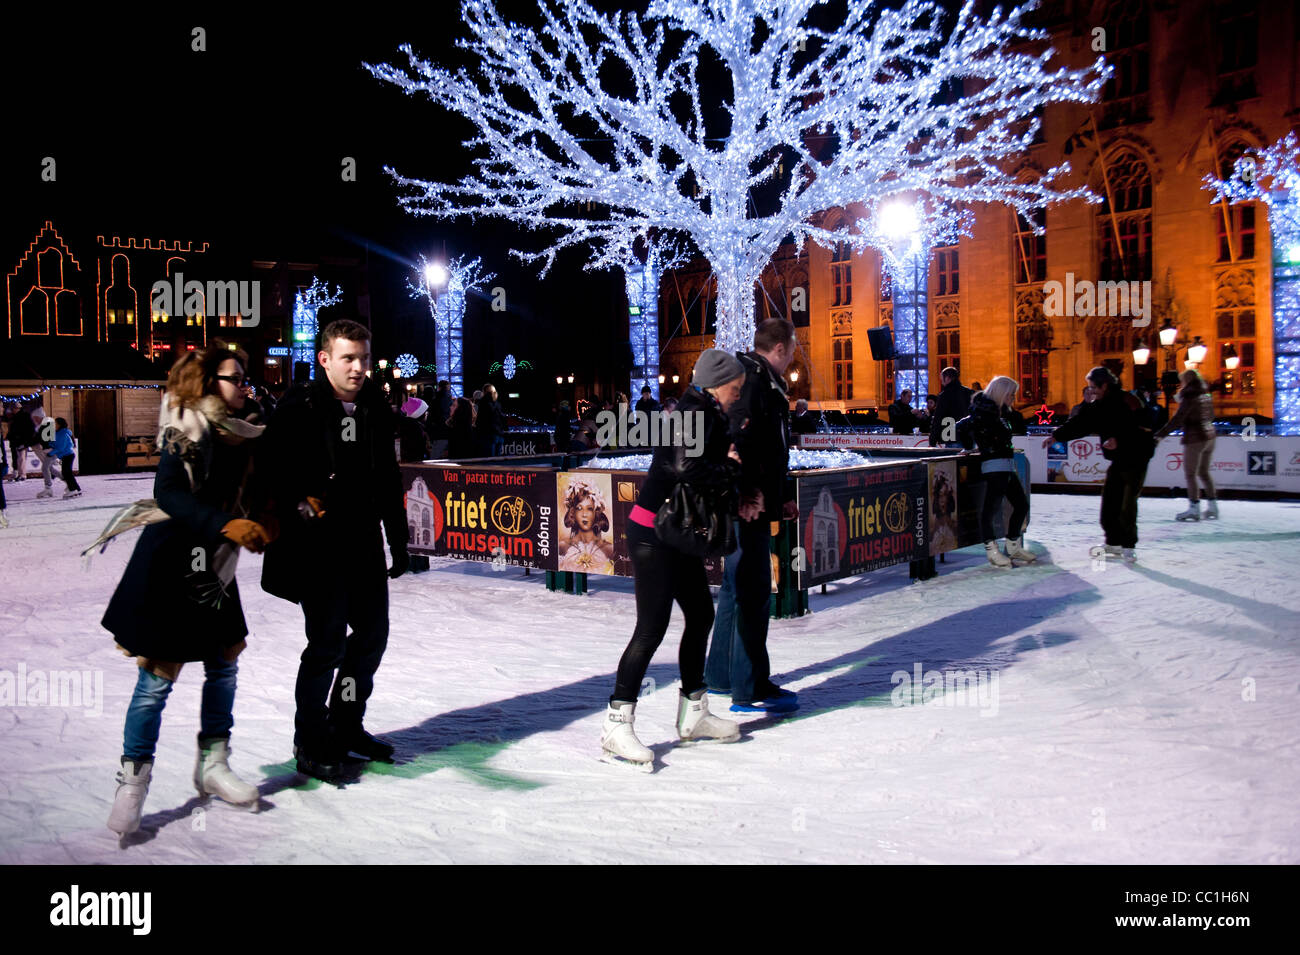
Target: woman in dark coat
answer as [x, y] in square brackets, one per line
[989, 426]
[178, 600]
[461, 428]
[663, 574]
[489, 426]
[1195, 415]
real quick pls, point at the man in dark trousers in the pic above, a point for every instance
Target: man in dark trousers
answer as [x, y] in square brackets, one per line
[952, 406]
[902, 418]
[1127, 442]
[332, 474]
[760, 427]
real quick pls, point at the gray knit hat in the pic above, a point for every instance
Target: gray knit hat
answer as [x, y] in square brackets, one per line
[716, 367]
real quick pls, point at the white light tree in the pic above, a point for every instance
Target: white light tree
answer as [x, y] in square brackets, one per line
[599, 126]
[1272, 176]
[447, 304]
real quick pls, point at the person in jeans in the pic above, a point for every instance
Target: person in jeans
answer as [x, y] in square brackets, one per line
[178, 600]
[664, 574]
[1195, 415]
[738, 663]
[989, 427]
[63, 451]
[1118, 418]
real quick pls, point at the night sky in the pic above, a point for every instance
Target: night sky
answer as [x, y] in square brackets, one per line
[242, 146]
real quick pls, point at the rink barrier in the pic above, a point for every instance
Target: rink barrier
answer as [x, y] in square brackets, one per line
[557, 514]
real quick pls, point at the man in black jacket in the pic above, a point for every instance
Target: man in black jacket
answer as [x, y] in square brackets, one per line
[1117, 417]
[953, 405]
[902, 417]
[760, 428]
[333, 476]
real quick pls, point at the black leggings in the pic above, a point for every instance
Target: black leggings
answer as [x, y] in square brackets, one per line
[1000, 485]
[68, 478]
[664, 574]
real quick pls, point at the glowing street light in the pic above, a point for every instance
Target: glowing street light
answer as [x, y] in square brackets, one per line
[436, 275]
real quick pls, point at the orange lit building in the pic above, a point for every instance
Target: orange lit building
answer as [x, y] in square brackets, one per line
[1195, 84]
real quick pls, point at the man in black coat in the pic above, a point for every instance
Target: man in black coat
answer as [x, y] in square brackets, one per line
[952, 406]
[1119, 419]
[902, 418]
[760, 428]
[329, 459]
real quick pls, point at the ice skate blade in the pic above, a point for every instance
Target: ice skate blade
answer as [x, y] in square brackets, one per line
[614, 760]
[704, 740]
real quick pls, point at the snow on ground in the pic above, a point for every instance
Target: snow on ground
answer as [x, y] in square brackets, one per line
[1139, 714]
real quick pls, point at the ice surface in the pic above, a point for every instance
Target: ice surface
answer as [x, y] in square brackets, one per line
[1141, 714]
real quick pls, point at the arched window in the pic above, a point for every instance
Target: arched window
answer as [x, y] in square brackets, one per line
[1234, 225]
[1033, 345]
[1123, 180]
[1234, 321]
[1128, 51]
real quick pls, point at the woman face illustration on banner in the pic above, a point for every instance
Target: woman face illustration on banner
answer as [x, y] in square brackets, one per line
[586, 547]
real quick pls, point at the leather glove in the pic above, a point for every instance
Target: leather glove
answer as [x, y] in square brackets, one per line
[401, 563]
[247, 534]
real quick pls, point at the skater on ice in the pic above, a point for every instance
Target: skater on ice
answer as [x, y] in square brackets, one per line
[1117, 417]
[332, 470]
[1195, 415]
[664, 573]
[63, 451]
[178, 601]
[738, 663]
[988, 427]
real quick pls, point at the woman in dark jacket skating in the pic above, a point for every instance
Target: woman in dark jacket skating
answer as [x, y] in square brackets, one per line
[178, 601]
[664, 574]
[989, 427]
[1195, 415]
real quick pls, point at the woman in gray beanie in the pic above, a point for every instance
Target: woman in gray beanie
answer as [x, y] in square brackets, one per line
[664, 574]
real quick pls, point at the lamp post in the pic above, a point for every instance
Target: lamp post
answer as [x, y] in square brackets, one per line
[1141, 355]
[1169, 342]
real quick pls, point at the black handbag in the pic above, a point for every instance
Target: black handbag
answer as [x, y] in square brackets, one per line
[695, 524]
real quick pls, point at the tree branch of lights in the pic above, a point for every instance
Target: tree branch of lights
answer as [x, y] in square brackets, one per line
[306, 327]
[606, 111]
[448, 308]
[1272, 176]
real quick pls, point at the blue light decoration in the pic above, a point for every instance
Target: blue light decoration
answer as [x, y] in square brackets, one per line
[906, 230]
[643, 322]
[510, 366]
[448, 307]
[1272, 176]
[407, 364]
[306, 326]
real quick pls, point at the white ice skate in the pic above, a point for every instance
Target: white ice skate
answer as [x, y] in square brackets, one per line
[1211, 510]
[45, 493]
[68, 494]
[1191, 514]
[1016, 550]
[128, 803]
[1105, 550]
[213, 775]
[695, 724]
[996, 557]
[618, 742]
[4, 521]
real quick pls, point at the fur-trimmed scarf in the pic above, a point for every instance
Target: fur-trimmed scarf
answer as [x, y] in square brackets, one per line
[188, 433]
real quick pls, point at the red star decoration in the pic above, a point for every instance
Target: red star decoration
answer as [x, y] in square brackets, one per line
[1044, 415]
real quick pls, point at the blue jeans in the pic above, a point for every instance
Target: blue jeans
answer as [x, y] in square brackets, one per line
[727, 665]
[144, 714]
[738, 658]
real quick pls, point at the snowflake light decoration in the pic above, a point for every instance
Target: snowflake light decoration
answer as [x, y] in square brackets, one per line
[407, 364]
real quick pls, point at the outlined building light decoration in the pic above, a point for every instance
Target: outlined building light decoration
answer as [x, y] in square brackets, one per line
[306, 324]
[448, 307]
[407, 364]
[1272, 176]
[642, 282]
[903, 94]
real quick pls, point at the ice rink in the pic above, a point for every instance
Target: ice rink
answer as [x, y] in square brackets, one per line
[1088, 714]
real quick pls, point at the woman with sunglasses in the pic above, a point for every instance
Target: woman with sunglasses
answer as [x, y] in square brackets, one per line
[178, 601]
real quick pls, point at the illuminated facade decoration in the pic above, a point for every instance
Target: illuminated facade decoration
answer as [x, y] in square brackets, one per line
[126, 269]
[642, 284]
[43, 292]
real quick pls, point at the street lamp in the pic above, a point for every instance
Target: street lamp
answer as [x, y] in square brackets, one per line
[1230, 358]
[1196, 352]
[1141, 355]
